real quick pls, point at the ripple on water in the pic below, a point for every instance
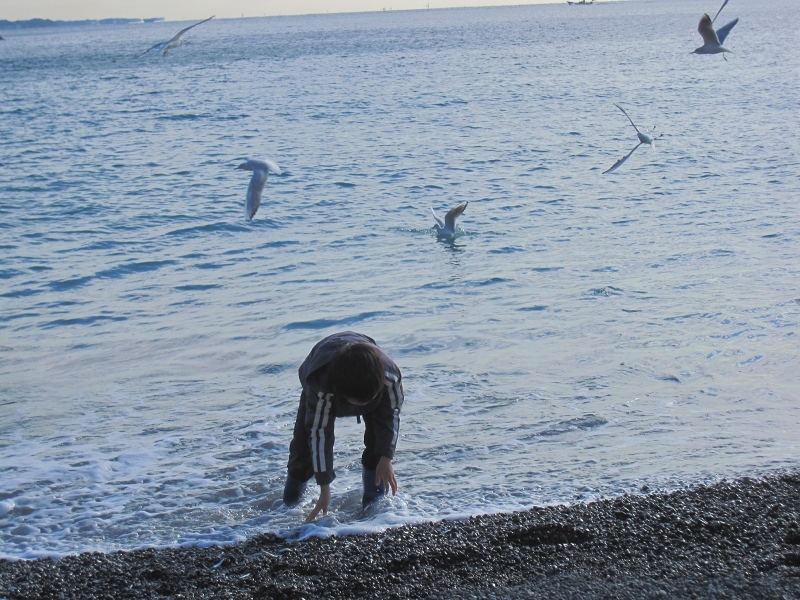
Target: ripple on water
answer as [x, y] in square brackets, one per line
[326, 323]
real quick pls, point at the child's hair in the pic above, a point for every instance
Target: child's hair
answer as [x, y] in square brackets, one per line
[356, 372]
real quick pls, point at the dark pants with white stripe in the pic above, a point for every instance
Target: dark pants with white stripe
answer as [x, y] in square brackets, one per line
[300, 465]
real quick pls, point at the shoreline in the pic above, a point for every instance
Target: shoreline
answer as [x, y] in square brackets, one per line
[732, 539]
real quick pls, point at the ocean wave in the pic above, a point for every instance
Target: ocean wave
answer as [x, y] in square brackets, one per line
[325, 323]
[82, 321]
[133, 267]
[223, 227]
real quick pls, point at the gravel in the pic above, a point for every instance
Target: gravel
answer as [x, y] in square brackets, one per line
[735, 539]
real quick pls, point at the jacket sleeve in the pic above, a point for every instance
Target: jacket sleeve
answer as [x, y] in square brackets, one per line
[320, 415]
[387, 416]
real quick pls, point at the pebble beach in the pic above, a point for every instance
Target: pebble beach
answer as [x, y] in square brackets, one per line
[733, 539]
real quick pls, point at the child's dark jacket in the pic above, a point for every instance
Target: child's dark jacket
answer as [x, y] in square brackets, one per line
[323, 406]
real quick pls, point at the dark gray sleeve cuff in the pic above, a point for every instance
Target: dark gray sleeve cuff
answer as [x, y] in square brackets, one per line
[325, 478]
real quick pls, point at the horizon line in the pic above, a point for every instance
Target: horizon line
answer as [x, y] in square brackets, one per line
[309, 14]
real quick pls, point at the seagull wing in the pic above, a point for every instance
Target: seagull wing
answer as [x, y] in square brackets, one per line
[706, 30]
[185, 29]
[437, 219]
[719, 11]
[272, 166]
[626, 114]
[257, 182]
[159, 45]
[723, 31]
[618, 164]
[452, 215]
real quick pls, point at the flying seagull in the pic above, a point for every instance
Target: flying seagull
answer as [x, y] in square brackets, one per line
[447, 228]
[644, 138]
[260, 168]
[713, 40]
[175, 41]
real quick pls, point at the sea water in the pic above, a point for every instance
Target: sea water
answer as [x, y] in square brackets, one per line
[583, 336]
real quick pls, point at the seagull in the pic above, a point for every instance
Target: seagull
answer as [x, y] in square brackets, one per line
[644, 138]
[260, 168]
[713, 40]
[447, 228]
[175, 41]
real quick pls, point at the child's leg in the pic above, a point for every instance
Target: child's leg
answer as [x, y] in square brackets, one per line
[299, 467]
[369, 458]
[369, 461]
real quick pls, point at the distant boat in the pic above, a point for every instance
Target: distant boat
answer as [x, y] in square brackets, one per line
[580, 2]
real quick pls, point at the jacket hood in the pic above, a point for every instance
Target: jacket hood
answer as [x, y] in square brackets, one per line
[324, 351]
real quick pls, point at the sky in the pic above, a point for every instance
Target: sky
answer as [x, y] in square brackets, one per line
[178, 10]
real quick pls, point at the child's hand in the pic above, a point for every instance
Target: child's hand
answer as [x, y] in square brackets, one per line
[385, 472]
[323, 502]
